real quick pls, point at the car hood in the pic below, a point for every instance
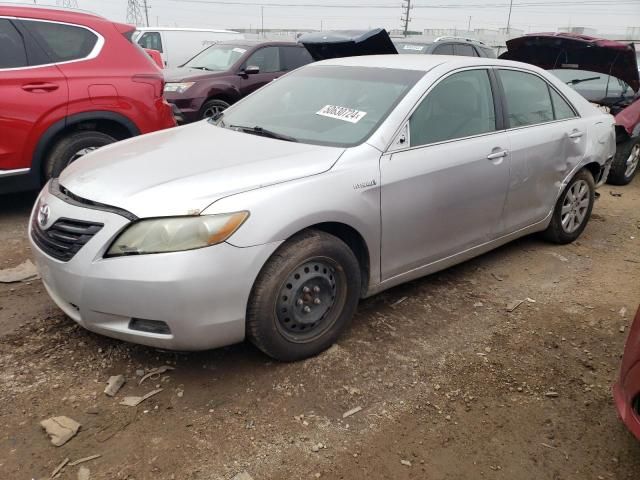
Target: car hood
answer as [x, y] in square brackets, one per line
[578, 52]
[325, 45]
[183, 170]
[181, 74]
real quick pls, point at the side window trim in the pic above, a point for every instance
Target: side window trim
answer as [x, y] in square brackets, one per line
[549, 87]
[405, 122]
[97, 48]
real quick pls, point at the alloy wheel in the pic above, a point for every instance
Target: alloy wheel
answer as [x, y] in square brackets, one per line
[633, 160]
[575, 206]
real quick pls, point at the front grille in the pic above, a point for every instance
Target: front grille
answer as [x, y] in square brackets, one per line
[64, 238]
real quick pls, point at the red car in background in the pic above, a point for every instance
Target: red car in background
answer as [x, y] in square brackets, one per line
[603, 71]
[70, 82]
[626, 391]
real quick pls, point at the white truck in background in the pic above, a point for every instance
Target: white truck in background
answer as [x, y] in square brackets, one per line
[177, 45]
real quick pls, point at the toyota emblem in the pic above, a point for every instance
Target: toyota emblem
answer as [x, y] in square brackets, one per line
[43, 214]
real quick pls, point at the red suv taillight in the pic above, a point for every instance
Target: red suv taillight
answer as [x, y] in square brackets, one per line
[155, 80]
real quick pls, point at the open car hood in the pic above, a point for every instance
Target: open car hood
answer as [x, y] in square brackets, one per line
[551, 51]
[325, 45]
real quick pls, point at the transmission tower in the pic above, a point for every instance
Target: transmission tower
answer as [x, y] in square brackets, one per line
[67, 3]
[138, 14]
[406, 11]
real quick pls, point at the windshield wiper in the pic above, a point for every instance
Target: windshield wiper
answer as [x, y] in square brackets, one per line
[264, 132]
[576, 81]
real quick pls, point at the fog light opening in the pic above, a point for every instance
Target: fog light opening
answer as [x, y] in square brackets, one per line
[149, 326]
[635, 405]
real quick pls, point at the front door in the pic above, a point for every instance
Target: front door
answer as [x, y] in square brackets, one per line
[267, 59]
[445, 192]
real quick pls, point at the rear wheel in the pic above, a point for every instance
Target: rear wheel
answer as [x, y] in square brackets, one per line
[573, 209]
[625, 163]
[213, 107]
[304, 297]
[72, 147]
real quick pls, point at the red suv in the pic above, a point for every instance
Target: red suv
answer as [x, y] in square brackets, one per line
[69, 83]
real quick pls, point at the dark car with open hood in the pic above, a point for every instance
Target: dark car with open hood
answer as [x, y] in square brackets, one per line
[605, 72]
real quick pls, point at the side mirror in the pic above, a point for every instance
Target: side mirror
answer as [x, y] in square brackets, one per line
[251, 70]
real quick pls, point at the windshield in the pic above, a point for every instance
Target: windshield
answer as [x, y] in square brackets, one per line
[593, 85]
[411, 47]
[216, 58]
[324, 105]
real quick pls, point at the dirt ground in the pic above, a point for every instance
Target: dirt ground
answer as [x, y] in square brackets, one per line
[451, 385]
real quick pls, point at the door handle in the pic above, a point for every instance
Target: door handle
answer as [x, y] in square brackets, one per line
[575, 134]
[40, 87]
[500, 154]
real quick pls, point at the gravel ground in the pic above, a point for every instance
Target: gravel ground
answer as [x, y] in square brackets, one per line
[451, 385]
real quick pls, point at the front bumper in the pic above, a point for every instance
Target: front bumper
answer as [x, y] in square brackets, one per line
[625, 391]
[187, 109]
[201, 295]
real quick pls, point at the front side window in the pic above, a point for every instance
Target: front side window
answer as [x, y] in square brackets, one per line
[324, 105]
[527, 97]
[217, 58]
[459, 106]
[62, 42]
[446, 49]
[151, 40]
[267, 59]
[12, 53]
[464, 50]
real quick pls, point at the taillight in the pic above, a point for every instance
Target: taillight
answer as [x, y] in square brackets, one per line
[156, 81]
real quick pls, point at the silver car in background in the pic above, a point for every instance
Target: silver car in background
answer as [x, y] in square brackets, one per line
[333, 183]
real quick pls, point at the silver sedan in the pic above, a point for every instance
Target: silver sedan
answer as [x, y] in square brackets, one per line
[333, 183]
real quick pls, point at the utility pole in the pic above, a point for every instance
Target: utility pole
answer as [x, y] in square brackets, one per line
[146, 11]
[406, 10]
[134, 13]
[469, 25]
[509, 18]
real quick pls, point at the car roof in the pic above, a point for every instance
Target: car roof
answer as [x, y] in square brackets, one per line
[421, 62]
[49, 13]
[252, 43]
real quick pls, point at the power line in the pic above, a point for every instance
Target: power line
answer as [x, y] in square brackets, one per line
[441, 5]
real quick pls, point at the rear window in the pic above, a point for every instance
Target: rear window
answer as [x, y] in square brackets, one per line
[62, 42]
[12, 53]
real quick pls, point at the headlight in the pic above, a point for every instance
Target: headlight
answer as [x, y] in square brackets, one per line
[177, 87]
[174, 234]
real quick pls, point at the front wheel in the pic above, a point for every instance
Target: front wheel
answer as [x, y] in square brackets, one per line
[625, 163]
[71, 147]
[573, 209]
[212, 108]
[304, 297]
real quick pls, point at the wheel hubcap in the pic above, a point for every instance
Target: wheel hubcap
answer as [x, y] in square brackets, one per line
[81, 153]
[211, 111]
[633, 160]
[575, 206]
[305, 300]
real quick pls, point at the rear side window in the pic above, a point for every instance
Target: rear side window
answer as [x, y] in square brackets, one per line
[446, 49]
[527, 97]
[12, 51]
[294, 57]
[62, 42]
[486, 52]
[267, 59]
[459, 106]
[561, 108]
[464, 50]
[151, 40]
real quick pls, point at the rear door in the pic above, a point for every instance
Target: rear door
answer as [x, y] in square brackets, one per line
[33, 95]
[547, 139]
[294, 57]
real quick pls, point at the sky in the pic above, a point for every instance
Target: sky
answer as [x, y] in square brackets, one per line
[606, 16]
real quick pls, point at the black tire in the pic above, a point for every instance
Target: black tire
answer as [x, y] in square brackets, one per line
[210, 107]
[556, 232]
[270, 303]
[69, 148]
[625, 162]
